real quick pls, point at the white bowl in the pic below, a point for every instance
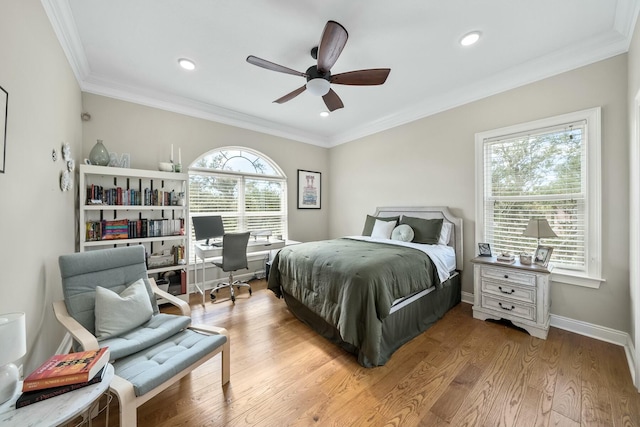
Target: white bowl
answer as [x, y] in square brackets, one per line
[165, 166]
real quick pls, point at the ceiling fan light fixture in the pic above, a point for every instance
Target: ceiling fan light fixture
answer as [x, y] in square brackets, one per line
[318, 86]
[470, 38]
[187, 64]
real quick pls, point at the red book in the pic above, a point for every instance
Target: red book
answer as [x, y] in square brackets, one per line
[64, 369]
[35, 396]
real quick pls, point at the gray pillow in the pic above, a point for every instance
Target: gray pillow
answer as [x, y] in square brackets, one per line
[371, 221]
[424, 230]
[116, 314]
[403, 233]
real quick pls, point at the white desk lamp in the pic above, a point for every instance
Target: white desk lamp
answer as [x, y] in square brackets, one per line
[13, 345]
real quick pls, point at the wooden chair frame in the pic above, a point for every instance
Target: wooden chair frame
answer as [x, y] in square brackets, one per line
[122, 388]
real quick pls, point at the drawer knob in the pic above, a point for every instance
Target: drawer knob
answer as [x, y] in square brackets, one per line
[506, 292]
[506, 308]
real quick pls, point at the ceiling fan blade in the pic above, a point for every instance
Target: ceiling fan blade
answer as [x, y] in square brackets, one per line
[332, 100]
[370, 77]
[334, 37]
[291, 95]
[272, 66]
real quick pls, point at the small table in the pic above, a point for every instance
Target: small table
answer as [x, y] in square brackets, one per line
[516, 292]
[57, 410]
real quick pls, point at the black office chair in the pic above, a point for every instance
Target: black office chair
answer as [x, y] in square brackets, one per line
[234, 258]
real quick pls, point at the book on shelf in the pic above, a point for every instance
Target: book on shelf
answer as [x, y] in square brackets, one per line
[31, 397]
[64, 369]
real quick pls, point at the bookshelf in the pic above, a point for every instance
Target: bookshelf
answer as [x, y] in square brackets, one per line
[121, 206]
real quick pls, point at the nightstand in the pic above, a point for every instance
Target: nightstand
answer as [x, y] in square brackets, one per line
[516, 292]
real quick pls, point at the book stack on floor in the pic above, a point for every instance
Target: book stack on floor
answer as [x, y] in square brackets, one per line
[506, 258]
[63, 373]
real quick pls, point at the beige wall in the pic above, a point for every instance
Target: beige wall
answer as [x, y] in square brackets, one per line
[147, 134]
[633, 90]
[36, 219]
[431, 162]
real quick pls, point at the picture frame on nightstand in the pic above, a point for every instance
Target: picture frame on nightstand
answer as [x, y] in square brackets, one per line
[543, 255]
[484, 249]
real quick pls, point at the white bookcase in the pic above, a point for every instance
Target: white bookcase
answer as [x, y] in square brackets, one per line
[153, 206]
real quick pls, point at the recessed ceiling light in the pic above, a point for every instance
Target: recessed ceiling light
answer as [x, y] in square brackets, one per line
[470, 38]
[187, 64]
[324, 114]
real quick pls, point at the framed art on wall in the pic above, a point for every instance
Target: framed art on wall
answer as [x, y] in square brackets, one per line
[4, 101]
[309, 189]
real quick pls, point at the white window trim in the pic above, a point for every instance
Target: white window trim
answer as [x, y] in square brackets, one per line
[593, 247]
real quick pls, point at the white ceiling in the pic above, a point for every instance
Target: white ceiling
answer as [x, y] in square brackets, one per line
[128, 49]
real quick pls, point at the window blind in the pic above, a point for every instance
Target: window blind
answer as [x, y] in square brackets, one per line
[538, 174]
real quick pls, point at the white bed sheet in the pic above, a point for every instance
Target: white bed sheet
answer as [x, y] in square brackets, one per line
[443, 257]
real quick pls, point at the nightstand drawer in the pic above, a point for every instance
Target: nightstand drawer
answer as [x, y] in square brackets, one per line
[511, 276]
[509, 307]
[521, 293]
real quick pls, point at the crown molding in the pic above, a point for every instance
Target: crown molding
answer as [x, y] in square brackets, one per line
[616, 42]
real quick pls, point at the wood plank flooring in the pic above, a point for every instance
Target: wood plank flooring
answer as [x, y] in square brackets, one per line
[461, 372]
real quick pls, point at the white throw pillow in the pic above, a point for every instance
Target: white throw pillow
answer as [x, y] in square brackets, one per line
[403, 233]
[116, 314]
[445, 233]
[383, 229]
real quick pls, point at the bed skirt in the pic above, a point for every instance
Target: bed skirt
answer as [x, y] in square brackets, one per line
[398, 328]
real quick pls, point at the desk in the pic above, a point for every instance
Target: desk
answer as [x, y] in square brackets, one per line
[57, 410]
[203, 252]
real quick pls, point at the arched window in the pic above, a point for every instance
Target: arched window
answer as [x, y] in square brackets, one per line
[245, 187]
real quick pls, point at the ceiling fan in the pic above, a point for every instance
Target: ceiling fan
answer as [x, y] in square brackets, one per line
[319, 78]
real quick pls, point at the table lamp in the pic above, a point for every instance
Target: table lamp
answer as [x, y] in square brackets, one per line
[539, 228]
[13, 345]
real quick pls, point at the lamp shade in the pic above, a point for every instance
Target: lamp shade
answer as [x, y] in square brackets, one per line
[539, 228]
[13, 336]
[318, 86]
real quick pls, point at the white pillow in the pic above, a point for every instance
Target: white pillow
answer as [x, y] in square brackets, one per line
[383, 229]
[445, 233]
[403, 233]
[116, 314]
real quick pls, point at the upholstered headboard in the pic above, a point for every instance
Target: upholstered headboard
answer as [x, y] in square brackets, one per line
[431, 212]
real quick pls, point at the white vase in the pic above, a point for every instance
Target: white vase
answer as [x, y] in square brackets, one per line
[99, 154]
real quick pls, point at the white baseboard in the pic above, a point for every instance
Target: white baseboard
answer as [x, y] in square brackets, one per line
[598, 332]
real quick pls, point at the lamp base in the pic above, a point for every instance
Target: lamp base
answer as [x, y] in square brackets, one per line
[9, 376]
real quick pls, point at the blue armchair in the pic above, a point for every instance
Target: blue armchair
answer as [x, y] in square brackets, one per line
[110, 301]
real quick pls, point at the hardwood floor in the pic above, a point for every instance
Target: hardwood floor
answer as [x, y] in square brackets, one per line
[461, 372]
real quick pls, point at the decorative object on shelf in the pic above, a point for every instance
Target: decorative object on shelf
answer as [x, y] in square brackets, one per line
[123, 161]
[177, 167]
[13, 336]
[4, 102]
[165, 166]
[506, 257]
[484, 249]
[525, 259]
[539, 229]
[543, 255]
[99, 154]
[309, 189]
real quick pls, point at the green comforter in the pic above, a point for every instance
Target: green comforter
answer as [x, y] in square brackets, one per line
[351, 284]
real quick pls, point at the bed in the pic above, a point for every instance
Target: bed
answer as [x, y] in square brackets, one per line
[372, 294]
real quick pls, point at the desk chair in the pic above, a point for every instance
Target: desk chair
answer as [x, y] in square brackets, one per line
[234, 258]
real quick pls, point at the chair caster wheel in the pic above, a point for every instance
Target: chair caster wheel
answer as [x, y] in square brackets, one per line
[233, 299]
[249, 291]
[213, 297]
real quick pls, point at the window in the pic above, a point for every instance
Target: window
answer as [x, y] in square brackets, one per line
[544, 169]
[245, 187]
